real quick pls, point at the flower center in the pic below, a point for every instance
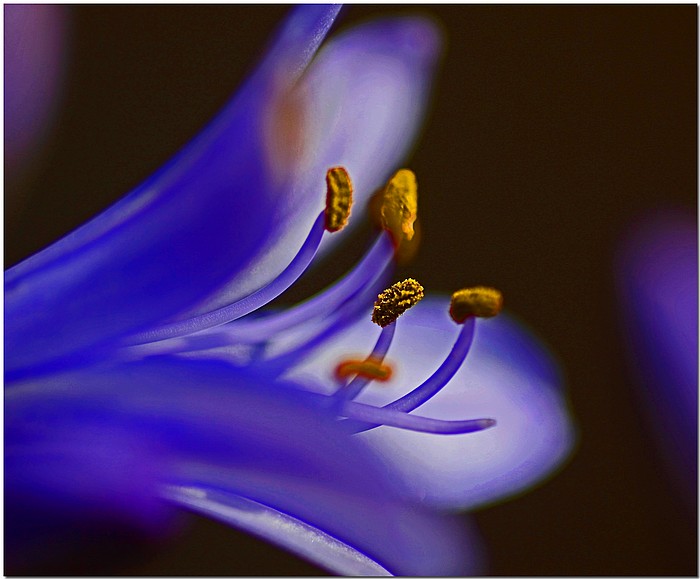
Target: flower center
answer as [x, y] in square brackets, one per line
[258, 342]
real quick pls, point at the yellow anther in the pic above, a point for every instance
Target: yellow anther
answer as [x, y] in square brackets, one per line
[394, 301]
[399, 205]
[371, 368]
[338, 198]
[482, 302]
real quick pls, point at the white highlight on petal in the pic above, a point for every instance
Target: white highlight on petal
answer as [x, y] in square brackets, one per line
[276, 527]
[506, 376]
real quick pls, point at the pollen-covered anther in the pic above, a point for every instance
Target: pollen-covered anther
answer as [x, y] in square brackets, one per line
[482, 302]
[338, 198]
[371, 368]
[399, 205]
[394, 301]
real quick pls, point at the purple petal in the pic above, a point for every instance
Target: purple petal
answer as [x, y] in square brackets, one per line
[289, 532]
[35, 46]
[114, 438]
[507, 376]
[368, 91]
[658, 282]
[221, 219]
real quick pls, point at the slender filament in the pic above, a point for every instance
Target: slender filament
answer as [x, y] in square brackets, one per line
[398, 419]
[421, 394]
[357, 384]
[373, 265]
[245, 305]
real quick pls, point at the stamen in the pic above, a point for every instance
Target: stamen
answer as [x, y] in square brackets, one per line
[334, 323]
[482, 302]
[440, 378]
[379, 351]
[387, 417]
[371, 368]
[420, 395]
[373, 265]
[245, 305]
[399, 205]
[338, 198]
[394, 301]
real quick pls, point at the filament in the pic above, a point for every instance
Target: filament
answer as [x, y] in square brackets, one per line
[245, 305]
[373, 265]
[335, 323]
[421, 394]
[388, 417]
[357, 384]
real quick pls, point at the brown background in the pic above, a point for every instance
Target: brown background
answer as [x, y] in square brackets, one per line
[552, 128]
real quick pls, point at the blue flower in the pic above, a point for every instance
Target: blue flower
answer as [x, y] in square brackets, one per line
[657, 275]
[142, 374]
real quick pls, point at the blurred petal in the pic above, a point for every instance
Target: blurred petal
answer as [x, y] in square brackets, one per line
[288, 532]
[35, 46]
[506, 376]
[658, 281]
[204, 217]
[125, 433]
[368, 90]
[220, 212]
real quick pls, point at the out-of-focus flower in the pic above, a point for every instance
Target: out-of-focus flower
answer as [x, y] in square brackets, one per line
[35, 45]
[141, 373]
[657, 275]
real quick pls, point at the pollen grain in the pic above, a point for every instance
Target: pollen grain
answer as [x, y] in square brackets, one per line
[479, 301]
[394, 301]
[399, 205]
[338, 198]
[371, 368]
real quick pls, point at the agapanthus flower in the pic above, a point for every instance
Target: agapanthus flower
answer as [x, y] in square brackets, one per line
[143, 371]
[657, 274]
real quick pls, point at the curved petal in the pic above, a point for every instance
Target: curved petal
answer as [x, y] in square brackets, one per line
[221, 219]
[506, 376]
[368, 90]
[203, 216]
[658, 283]
[195, 423]
[288, 532]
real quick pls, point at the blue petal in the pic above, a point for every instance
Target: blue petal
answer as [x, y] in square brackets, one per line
[658, 282]
[277, 527]
[227, 213]
[35, 47]
[116, 438]
[291, 533]
[188, 229]
[368, 90]
[507, 376]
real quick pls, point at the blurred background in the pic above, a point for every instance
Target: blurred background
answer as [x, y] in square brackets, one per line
[553, 129]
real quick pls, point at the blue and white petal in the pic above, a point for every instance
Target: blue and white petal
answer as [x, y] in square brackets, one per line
[506, 376]
[113, 439]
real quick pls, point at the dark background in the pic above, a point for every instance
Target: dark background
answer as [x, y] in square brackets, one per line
[553, 127]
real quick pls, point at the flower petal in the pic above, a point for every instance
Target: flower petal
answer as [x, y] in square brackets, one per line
[506, 376]
[368, 90]
[288, 532]
[204, 424]
[658, 283]
[221, 213]
[35, 47]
